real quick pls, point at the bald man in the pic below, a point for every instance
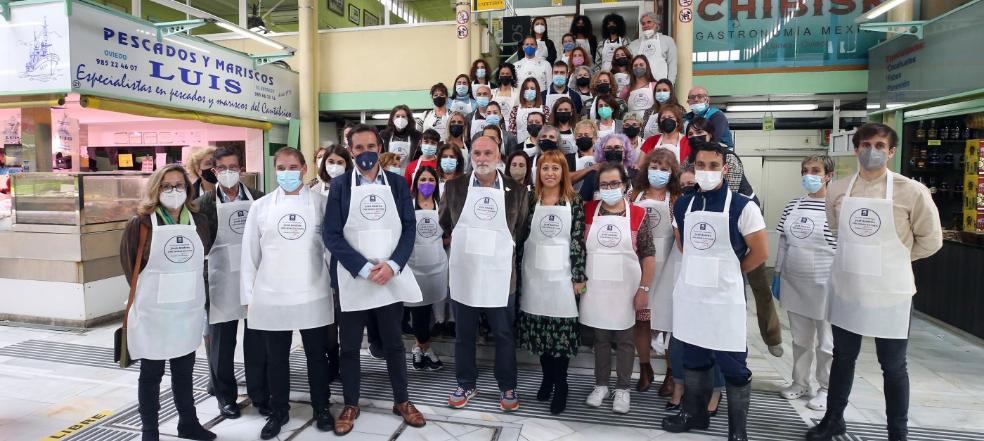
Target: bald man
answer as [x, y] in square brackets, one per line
[484, 212]
[717, 124]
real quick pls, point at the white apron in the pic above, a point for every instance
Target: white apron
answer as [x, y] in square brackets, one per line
[675, 148]
[439, 124]
[584, 162]
[806, 264]
[401, 148]
[660, 301]
[605, 132]
[506, 103]
[463, 106]
[567, 144]
[622, 81]
[652, 125]
[224, 260]
[532, 68]
[373, 229]
[429, 260]
[547, 287]
[613, 273]
[641, 100]
[607, 52]
[709, 298]
[477, 125]
[541, 49]
[292, 289]
[872, 280]
[482, 249]
[553, 97]
[521, 115]
[167, 318]
[650, 48]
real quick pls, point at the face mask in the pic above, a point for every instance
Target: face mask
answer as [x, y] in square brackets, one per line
[578, 61]
[639, 71]
[605, 112]
[611, 196]
[456, 130]
[174, 199]
[517, 173]
[631, 132]
[603, 88]
[480, 72]
[426, 188]
[367, 160]
[394, 170]
[289, 180]
[529, 51]
[612, 30]
[621, 62]
[648, 33]
[228, 178]
[533, 129]
[559, 80]
[708, 180]
[871, 158]
[583, 82]
[662, 97]
[428, 149]
[688, 188]
[461, 89]
[505, 80]
[812, 183]
[583, 144]
[581, 29]
[482, 101]
[529, 94]
[334, 170]
[667, 125]
[209, 176]
[547, 144]
[698, 108]
[493, 120]
[563, 117]
[658, 178]
[613, 156]
[449, 164]
[569, 47]
[400, 123]
[440, 101]
[539, 29]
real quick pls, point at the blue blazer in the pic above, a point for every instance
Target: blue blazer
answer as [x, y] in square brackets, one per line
[336, 214]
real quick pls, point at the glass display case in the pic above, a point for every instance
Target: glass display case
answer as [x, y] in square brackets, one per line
[76, 199]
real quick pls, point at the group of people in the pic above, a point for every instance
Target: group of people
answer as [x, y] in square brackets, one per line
[608, 216]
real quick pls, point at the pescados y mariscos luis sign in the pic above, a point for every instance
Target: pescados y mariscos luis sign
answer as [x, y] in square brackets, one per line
[121, 57]
[778, 34]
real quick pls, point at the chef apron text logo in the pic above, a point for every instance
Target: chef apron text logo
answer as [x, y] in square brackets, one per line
[550, 225]
[486, 208]
[237, 221]
[654, 217]
[803, 228]
[703, 236]
[610, 236]
[427, 228]
[372, 207]
[865, 222]
[291, 226]
[179, 249]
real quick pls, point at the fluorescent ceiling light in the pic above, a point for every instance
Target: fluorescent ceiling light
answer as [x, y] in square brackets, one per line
[380, 116]
[874, 106]
[879, 10]
[252, 35]
[771, 107]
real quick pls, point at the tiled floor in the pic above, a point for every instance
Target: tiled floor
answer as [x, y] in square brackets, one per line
[40, 397]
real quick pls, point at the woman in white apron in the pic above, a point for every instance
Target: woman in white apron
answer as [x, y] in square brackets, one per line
[530, 101]
[806, 252]
[544, 45]
[400, 136]
[581, 80]
[286, 286]
[506, 93]
[656, 189]
[429, 262]
[670, 122]
[337, 161]
[564, 117]
[480, 74]
[584, 36]
[167, 318]
[639, 95]
[662, 96]
[622, 71]
[613, 28]
[585, 137]
[608, 117]
[462, 99]
[457, 135]
[603, 84]
[632, 129]
[437, 118]
[552, 261]
[620, 263]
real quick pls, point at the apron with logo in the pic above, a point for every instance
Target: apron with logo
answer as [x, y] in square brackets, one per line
[506, 104]
[652, 125]
[675, 148]
[567, 144]
[521, 115]
[806, 265]
[641, 100]
[661, 300]
[482, 249]
[401, 148]
[613, 273]
[547, 287]
[439, 124]
[607, 52]
[552, 97]
[224, 260]
[167, 318]
[650, 48]
[709, 298]
[429, 260]
[871, 278]
[622, 81]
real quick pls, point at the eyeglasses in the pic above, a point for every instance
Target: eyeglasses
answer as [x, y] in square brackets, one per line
[167, 188]
[696, 97]
[610, 185]
[222, 168]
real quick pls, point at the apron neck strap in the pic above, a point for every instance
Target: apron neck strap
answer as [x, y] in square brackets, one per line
[498, 180]
[727, 202]
[628, 210]
[889, 184]
[379, 174]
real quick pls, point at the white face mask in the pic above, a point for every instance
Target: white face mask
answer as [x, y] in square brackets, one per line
[708, 180]
[228, 178]
[334, 170]
[649, 33]
[539, 29]
[174, 199]
[400, 123]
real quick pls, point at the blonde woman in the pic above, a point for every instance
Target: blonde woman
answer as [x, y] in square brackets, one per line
[199, 168]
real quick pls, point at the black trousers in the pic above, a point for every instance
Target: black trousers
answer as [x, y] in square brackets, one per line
[277, 345]
[501, 321]
[420, 321]
[221, 363]
[891, 356]
[149, 390]
[351, 326]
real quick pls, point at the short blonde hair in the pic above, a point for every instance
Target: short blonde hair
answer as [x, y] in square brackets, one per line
[589, 124]
[152, 193]
[389, 158]
[195, 159]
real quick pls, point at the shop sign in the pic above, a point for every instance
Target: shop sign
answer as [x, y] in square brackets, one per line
[34, 50]
[780, 34]
[12, 129]
[945, 62]
[489, 5]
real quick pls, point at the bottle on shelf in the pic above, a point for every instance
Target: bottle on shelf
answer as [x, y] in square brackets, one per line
[944, 188]
[932, 185]
[945, 131]
[932, 133]
[920, 159]
[955, 131]
[920, 132]
[934, 159]
[967, 133]
[948, 159]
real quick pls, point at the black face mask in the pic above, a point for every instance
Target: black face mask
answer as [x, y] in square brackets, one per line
[533, 129]
[695, 139]
[621, 62]
[583, 144]
[563, 117]
[631, 132]
[613, 156]
[667, 125]
[456, 130]
[547, 145]
[583, 82]
[689, 188]
[581, 29]
[440, 101]
[603, 88]
[505, 80]
[612, 29]
[209, 176]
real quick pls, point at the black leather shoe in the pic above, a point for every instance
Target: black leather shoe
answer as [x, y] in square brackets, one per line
[828, 428]
[274, 422]
[685, 422]
[325, 422]
[230, 411]
[195, 432]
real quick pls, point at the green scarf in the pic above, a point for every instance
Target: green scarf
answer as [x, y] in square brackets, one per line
[184, 219]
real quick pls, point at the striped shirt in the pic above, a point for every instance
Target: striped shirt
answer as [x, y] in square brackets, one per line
[807, 203]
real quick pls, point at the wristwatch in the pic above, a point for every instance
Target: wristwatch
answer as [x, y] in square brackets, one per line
[644, 288]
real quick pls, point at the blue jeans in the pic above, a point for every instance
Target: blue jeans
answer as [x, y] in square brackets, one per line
[466, 328]
[676, 363]
[732, 364]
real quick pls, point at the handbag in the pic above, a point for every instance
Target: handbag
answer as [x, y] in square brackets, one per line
[121, 354]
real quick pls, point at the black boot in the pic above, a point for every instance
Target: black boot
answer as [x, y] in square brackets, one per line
[559, 402]
[148, 426]
[194, 431]
[546, 384]
[697, 392]
[830, 426]
[738, 400]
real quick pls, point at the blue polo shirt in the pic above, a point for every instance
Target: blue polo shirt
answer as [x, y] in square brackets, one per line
[744, 217]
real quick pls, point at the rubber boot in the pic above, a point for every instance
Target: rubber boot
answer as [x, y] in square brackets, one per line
[697, 393]
[739, 398]
[559, 402]
[546, 384]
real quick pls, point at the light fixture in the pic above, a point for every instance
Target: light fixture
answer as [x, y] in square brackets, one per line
[251, 35]
[255, 22]
[772, 107]
[877, 11]
[380, 116]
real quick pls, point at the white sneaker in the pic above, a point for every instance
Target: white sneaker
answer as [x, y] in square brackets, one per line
[819, 401]
[620, 404]
[776, 351]
[597, 396]
[793, 392]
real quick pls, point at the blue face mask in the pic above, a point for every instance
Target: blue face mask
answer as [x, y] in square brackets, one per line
[529, 50]
[493, 120]
[482, 101]
[367, 160]
[559, 80]
[812, 183]
[428, 149]
[611, 196]
[529, 94]
[568, 47]
[480, 72]
[289, 180]
[698, 108]
[461, 89]
[449, 164]
[662, 97]
[658, 178]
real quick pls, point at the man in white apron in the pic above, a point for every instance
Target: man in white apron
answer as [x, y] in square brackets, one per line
[659, 49]
[227, 208]
[722, 235]
[369, 230]
[883, 221]
[558, 88]
[484, 211]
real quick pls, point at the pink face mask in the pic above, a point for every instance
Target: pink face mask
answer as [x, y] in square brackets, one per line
[577, 61]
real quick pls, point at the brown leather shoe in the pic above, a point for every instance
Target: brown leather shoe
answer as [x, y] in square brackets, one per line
[410, 414]
[346, 421]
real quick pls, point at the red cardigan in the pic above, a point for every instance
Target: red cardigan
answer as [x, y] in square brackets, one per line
[638, 214]
[652, 141]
